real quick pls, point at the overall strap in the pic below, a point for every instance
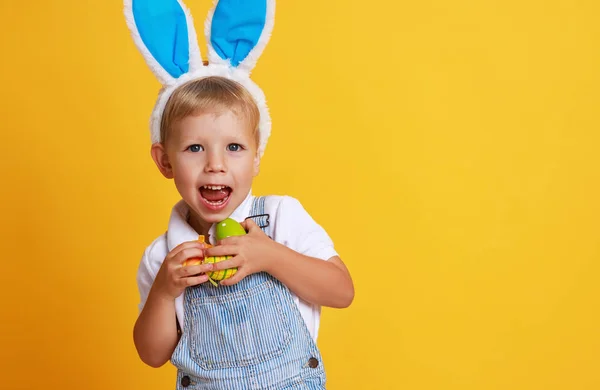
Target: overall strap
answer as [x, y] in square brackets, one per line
[257, 213]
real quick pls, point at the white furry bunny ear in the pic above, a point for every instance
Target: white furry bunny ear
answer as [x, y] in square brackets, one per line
[237, 31]
[164, 33]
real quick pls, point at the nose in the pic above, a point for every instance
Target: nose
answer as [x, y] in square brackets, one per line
[215, 162]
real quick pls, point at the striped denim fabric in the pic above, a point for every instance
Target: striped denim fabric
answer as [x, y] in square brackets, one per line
[247, 336]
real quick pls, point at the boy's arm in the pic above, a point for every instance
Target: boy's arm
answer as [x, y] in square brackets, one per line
[155, 331]
[304, 259]
[301, 256]
[324, 283]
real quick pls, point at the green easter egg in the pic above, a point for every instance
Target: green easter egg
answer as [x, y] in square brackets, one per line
[227, 228]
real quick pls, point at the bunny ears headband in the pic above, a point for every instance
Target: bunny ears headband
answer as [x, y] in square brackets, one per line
[237, 32]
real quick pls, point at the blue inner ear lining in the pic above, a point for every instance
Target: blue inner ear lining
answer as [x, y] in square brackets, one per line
[163, 28]
[236, 28]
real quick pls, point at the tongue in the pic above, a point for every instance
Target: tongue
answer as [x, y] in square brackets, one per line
[214, 195]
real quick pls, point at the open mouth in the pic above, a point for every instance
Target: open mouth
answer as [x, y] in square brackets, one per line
[215, 196]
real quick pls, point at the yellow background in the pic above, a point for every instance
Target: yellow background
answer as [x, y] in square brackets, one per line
[450, 148]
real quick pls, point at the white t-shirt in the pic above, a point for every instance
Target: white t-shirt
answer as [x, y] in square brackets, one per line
[290, 225]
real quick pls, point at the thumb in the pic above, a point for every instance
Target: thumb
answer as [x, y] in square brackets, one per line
[249, 225]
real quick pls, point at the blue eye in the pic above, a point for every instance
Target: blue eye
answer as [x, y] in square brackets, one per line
[195, 148]
[234, 147]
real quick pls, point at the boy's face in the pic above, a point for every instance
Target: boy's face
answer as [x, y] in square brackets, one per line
[213, 159]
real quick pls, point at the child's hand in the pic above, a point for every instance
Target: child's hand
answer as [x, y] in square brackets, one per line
[173, 277]
[251, 252]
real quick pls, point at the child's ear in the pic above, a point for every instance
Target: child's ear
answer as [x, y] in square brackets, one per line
[256, 164]
[160, 157]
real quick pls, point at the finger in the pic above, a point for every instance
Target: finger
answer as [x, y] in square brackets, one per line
[234, 262]
[185, 245]
[249, 225]
[233, 240]
[194, 269]
[221, 250]
[239, 275]
[193, 280]
[187, 253]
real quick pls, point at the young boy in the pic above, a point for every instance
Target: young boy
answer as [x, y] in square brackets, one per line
[257, 329]
[210, 125]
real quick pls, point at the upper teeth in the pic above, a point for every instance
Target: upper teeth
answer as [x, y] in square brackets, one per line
[216, 188]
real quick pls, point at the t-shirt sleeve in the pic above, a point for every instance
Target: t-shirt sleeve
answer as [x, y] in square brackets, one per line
[145, 278]
[300, 232]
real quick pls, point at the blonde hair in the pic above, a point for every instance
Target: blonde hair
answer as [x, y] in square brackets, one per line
[207, 95]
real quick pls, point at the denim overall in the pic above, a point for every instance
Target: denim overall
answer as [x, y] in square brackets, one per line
[247, 336]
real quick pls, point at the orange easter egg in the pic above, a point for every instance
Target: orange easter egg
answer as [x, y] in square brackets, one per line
[197, 260]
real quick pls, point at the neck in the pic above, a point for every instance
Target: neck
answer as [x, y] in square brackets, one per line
[201, 227]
